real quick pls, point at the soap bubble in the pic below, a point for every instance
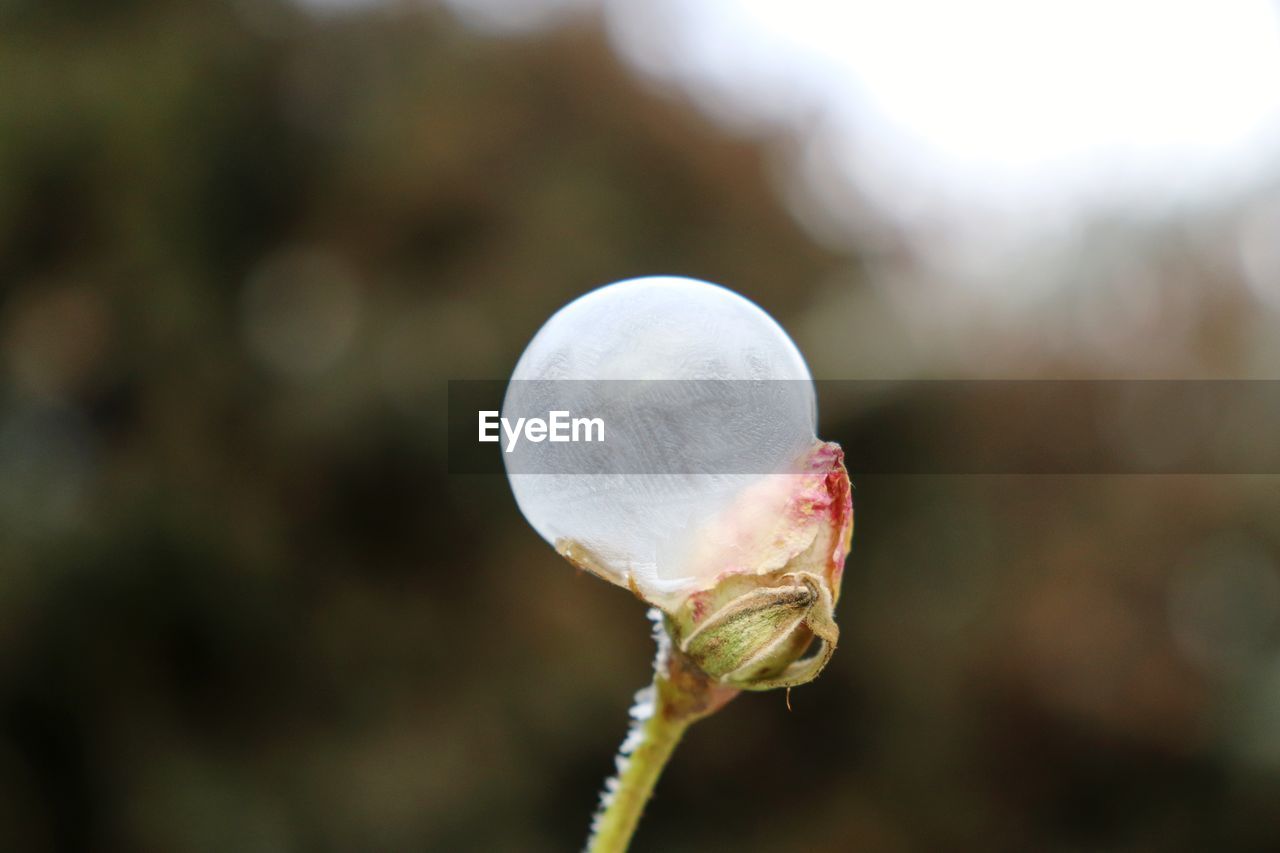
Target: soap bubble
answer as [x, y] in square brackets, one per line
[700, 393]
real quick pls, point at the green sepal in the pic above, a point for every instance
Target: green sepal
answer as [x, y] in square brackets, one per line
[751, 631]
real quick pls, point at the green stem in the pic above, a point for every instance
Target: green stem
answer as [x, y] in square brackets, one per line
[681, 695]
[617, 823]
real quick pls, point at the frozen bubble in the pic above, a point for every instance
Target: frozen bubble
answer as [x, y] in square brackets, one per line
[724, 399]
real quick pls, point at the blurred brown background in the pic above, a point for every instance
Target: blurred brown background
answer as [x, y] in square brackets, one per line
[243, 607]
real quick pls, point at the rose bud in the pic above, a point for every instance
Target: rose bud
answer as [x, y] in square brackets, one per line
[698, 484]
[709, 496]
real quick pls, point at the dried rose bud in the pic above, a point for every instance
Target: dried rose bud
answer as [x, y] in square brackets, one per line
[709, 497]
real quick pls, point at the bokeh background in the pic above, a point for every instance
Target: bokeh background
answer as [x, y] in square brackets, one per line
[244, 244]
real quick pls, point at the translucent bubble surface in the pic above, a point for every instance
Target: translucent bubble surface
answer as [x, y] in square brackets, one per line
[724, 400]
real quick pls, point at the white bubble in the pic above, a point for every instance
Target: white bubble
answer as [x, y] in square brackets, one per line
[680, 447]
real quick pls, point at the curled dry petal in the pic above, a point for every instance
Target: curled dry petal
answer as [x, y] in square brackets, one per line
[785, 522]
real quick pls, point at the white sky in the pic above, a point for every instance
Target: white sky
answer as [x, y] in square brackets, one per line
[977, 128]
[989, 102]
[1000, 104]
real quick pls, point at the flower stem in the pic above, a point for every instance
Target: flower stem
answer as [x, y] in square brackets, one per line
[617, 823]
[681, 695]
